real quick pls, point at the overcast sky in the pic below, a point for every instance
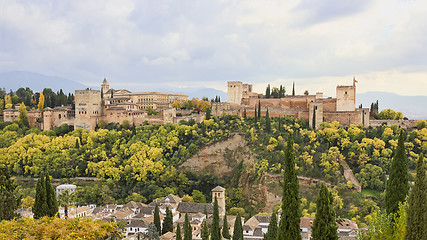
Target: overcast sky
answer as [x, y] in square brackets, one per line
[138, 44]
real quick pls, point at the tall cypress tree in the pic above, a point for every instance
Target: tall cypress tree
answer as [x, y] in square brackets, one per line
[314, 118]
[416, 227]
[324, 225]
[293, 89]
[225, 231]
[259, 110]
[289, 227]
[397, 186]
[267, 122]
[52, 203]
[167, 222]
[244, 114]
[215, 229]
[205, 231]
[255, 115]
[157, 219]
[40, 203]
[9, 199]
[188, 233]
[272, 228]
[267, 91]
[238, 229]
[178, 232]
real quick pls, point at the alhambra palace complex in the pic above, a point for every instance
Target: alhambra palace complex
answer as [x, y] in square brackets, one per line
[120, 105]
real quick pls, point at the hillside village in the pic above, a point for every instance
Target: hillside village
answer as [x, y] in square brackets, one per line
[137, 216]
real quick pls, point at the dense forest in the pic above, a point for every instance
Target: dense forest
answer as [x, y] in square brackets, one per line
[142, 162]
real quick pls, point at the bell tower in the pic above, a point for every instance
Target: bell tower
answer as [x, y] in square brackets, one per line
[219, 193]
[105, 86]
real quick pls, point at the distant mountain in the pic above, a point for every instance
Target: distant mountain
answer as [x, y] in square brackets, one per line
[37, 82]
[413, 107]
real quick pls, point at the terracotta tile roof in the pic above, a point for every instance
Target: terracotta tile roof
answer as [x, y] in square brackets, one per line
[190, 207]
[218, 189]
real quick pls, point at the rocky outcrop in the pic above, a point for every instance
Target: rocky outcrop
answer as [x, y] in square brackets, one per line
[221, 158]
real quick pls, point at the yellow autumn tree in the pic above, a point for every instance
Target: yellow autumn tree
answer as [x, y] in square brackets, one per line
[176, 104]
[40, 106]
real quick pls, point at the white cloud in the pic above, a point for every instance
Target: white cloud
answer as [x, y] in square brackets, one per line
[317, 44]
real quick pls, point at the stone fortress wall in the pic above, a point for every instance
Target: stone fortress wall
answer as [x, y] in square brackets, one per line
[116, 106]
[341, 109]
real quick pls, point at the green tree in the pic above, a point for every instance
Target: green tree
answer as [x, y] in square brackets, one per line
[244, 114]
[238, 229]
[188, 233]
[314, 118]
[324, 225]
[23, 116]
[293, 89]
[416, 228]
[272, 228]
[40, 208]
[65, 200]
[267, 122]
[267, 91]
[289, 227]
[255, 115]
[9, 199]
[157, 218]
[52, 203]
[152, 233]
[167, 222]
[208, 113]
[372, 177]
[198, 196]
[225, 231]
[178, 232]
[215, 229]
[397, 186]
[259, 110]
[205, 231]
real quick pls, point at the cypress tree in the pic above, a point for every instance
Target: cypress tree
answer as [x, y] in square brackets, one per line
[416, 227]
[244, 114]
[314, 118]
[206, 212]
[238, 229]
[225, 231]
[267, 122]
[293, 89]
[205, 231]
[255, 114]
[178, 232]
[102, 94]
[52, 203]
[267, 91]
[40, 203]
[157, 219]
[167, 222]
[188, 234]
[259, 110]
[324, 225]
[272, 228]
[9, 199]
[397, 186]
[289, 227]
[208, 113]
[215, 229]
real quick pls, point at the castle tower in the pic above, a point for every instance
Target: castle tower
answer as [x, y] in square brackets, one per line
[219, 193]
[235, 92]
[105, 86]
[88, 108]
[346, 98]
